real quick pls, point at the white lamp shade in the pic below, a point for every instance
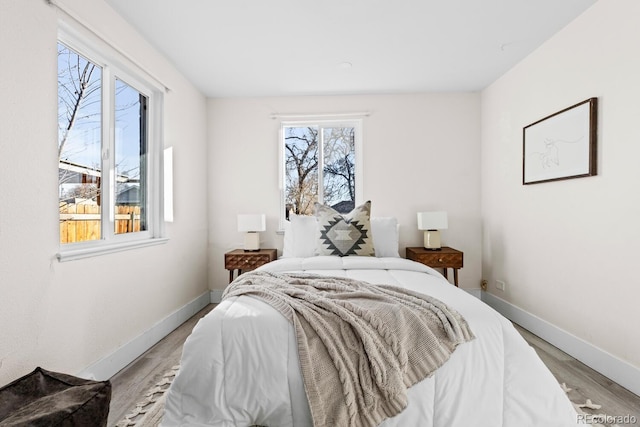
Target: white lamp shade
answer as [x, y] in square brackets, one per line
[432, 220]
[253, 222]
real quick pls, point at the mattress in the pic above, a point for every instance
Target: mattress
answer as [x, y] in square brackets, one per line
[240, 365]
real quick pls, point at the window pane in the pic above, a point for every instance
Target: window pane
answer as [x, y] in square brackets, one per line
[339, 181]
[130, 158]
[301, 169]
[79, 146]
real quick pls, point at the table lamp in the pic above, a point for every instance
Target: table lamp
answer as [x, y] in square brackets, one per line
[251, 225]
[432, 223]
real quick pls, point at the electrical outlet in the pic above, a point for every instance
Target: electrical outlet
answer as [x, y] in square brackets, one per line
[500, 285]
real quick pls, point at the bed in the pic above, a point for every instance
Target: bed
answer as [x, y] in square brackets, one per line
[240, 365]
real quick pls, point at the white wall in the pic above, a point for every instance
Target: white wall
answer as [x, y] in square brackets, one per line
[420, 153]
[66, 316]
[568, 249]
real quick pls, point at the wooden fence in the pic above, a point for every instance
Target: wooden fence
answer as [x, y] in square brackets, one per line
[81, 222]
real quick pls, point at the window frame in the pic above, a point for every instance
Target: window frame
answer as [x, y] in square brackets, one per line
[114, 66]
[324, 122]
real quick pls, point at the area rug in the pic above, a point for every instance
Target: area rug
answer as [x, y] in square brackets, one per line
[148, 413]
[588, 412]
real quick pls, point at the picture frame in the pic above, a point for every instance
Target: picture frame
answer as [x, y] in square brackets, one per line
[562, 145]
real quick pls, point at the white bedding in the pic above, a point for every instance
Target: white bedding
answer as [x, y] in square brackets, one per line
[240, 366]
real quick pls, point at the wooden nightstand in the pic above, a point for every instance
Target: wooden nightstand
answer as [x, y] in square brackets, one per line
[240, 260]
[445, 258]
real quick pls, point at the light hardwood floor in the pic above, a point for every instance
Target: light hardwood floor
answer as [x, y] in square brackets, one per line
[585, 382]
[130, 384]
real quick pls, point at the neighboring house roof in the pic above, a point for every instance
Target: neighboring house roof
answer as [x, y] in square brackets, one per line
[75, 173]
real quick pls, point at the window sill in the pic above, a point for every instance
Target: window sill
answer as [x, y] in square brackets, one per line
[107, 248]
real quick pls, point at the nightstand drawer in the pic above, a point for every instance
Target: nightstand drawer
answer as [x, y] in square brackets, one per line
[244, 262]
[440, 260]
[445, 258]
[241, 260]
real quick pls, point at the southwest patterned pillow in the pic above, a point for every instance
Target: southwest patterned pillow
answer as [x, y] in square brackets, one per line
[343, 235]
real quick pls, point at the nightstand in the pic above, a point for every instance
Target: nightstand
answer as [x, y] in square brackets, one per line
[444, 258]
[240, 260]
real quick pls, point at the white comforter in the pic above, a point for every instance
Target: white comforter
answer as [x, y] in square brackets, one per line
[240, 366]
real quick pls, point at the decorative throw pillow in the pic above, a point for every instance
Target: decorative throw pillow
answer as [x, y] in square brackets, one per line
[343, 235]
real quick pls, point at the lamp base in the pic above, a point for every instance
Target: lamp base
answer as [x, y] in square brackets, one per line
[432, 240]
[252, 241]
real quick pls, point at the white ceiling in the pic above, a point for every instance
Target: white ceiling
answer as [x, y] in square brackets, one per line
[230, 48]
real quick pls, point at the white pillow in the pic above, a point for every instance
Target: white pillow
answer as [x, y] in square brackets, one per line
[287, 240]
[385, 236]
[300, 238]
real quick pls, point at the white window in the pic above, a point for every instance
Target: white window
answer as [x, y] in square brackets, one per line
[320, 162]
[109, 152]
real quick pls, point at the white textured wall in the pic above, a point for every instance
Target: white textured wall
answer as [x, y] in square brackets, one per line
[66, 316]
[420, 153]
[568, 250]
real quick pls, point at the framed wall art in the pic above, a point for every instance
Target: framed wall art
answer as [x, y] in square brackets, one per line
[562, 145]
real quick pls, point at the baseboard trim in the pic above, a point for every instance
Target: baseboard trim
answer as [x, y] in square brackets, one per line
[110, 365]
[607, 364]
[476, 292]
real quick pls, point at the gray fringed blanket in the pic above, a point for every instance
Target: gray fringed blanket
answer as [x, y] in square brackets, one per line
[360, 345]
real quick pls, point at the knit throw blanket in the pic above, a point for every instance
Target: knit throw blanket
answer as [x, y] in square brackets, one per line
[360, 346]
